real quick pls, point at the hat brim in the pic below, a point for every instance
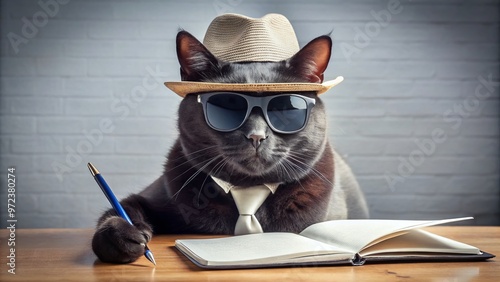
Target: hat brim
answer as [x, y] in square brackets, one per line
[183, 88]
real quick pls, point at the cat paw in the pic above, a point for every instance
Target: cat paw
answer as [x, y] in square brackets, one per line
[117, 241]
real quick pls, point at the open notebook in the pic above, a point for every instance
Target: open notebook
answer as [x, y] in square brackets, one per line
[332, 242]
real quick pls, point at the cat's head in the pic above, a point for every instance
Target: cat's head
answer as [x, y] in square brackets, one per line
[253, 153]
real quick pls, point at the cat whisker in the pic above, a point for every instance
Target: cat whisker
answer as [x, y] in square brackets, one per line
[297, 178]
[282, 170]
[198, 172]
[208, 162]
[288, 171]
[311, 168]
[216, 167]
[315, 171]
[179, 175]
[226, 161]
[191, 159]
[297, 167]
[195, 152]
[300, 154]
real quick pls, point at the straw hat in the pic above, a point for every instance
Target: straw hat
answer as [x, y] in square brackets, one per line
[237, 38]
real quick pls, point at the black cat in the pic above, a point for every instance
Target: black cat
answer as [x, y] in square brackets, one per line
[315, 183]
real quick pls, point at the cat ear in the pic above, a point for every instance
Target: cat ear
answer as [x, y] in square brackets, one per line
[194, 57]
[311, 61]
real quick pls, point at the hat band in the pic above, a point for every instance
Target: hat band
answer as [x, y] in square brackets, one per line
[183, 88]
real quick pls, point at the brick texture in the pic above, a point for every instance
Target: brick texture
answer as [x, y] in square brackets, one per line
[417, 116]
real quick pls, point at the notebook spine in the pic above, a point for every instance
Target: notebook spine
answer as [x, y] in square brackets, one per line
[357, 260]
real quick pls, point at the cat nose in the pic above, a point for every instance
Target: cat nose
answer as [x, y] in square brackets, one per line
[256, 138]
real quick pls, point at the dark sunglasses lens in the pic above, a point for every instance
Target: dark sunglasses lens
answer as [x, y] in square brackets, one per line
[287, 113]
[226, 111]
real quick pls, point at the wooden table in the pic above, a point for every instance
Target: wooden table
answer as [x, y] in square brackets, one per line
[65, 255]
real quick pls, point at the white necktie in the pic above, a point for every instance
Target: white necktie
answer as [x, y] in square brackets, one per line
[247, 200]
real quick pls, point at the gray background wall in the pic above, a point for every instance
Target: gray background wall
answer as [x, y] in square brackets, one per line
[73, 90]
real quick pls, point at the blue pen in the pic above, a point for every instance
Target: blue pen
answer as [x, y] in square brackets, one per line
[116, 204]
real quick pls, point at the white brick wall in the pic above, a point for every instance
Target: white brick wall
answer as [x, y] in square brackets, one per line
[415, 74]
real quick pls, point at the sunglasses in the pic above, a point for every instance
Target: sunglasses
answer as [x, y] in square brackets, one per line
[285, 113]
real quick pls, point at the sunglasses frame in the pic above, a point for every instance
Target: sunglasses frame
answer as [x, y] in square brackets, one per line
[261, 102]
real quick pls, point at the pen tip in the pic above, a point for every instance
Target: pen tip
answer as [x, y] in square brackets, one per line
[92, 169]
[149, 256]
